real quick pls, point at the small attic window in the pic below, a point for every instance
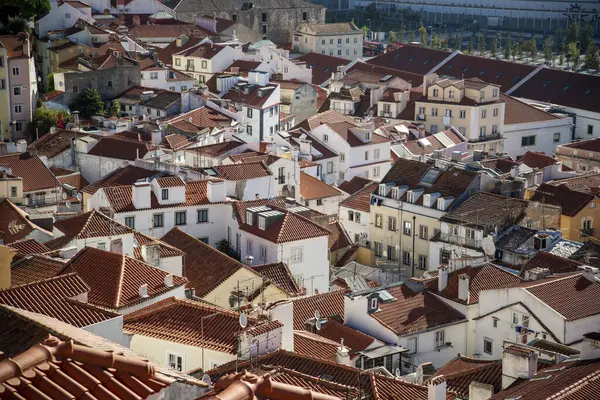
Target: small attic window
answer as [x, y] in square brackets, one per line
[465, 69]
[425, 62]
[566, 87]
[327, 69]
[450, 66]
[411, 58]
[516, 78]
[546, 84]
[587, 91]
[498, 75]
[481, 72]
[396, 56]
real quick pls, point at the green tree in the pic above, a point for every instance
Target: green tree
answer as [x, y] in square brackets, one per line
[494, 47]
[559, 36]
[392, 37]
[50, 83]
[88, 103]
[586, 36]
[23, 9]
[402, 33]
[573, 52]
[458, 42]
[507, 47]
[445, 43]
[114, 109]
[518, 51]
[43, 120]
[471, 44]
[435, 41]
[573, 33]
[548, 50]
[482, 42]
[365, 30]
[411, 37]
[423, 35]
[591, 60]
[532, 48]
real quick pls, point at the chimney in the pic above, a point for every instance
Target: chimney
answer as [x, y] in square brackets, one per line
[140, 195]
[481, 391]
[421, 131]
[26, 45]
[258, 77]
[169, 280]
[68, 252]
[22, 146]
[6, 257]
[518, 363]
[514, 172]
[215, 191]
[342, 356]
[442, 278]
[146, 95]
[143, 291]
[436, 389]
[536, 273]
[424, 371]
[181, 40]
[305, 147]
[463, 287]
[156, 137]
[592, 274]
[590, 347]
[136, 20]
[151, 253]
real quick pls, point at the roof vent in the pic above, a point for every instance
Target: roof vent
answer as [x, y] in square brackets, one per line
[143, 291]
[169, 280]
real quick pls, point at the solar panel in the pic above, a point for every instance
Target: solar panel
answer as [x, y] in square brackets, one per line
[385, 78]
[441, 136]
[498, 75]
[424, 142]
[385, 296]
[465, 69]
[430, 176]
[588, 91]
[481, 72]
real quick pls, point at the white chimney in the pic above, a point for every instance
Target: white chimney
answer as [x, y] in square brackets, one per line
[22, 146]
[590, 347]
[342, 356]
[421, 131]
[305, 147]
[258, 77]
[140, 195]
[169, 280]
[156, 136]
[436, 389]
[151, 253]
[463, 287]
[216, 191]
[68, 252]
[143, 290]
[480, 391]
[442, 278]
[592, 274]
[518, 363]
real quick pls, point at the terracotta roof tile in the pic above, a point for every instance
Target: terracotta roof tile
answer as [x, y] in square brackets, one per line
[34, 268]
[166, 31]
[119, 148]
[361, 200]
[519, 112]
[537, 160]
[414, 59]
[354, 185]
[36, 176]
[328, 304]
[10, 213]
[461, 371]
[413, 312]
[166, 250]
[29, 246]
[180, 321]
[206, 50]
[170, 181]
[294, 378]
[338, 239]
[312, 188]
[415, 79]
[570, 201]
[251, 95]
[200, 118]
[13, 45]
[322, 66]
[239, 172]
[205, 267]
[127, 175]
[116, 285]
[217, 149]
[53, 297]
[355, 340]
[312, 345]
[66, 371]
[280, 275]
[176, 142]
[385, 388]
[554, 263]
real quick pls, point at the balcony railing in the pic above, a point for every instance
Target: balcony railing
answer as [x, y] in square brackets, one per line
[486, 138]
[460, 241]
[588, 233]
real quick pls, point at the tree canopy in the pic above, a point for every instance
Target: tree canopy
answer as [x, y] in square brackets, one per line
[88, 103]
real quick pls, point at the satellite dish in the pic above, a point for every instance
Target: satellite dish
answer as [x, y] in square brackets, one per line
[79, 197]
[64, 196]
[317, 314]
[206, 379]
[243, 320]
[68, 204]
[397, 372]
[318, 324]
[488, 246]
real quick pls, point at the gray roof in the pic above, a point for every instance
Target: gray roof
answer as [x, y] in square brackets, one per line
[163, 100]
[208, 6]
[518, 240]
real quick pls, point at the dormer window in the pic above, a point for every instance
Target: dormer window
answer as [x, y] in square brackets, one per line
[367, 136]
[435, 93]
[374, 302]
[261, 222]
[451, 94]
[249, 219]
[395, 193]
[165, 194]
[382, 190]
[495, 93]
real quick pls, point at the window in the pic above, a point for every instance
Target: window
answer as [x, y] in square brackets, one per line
[322, 41]
[451, 94]
[590, 129]
[350, 215]
[153, 75]
[392, 225]
[234, 17]
[202, 216]
[406, 258]
[165, 194]
[340, 41]
[249, 129]
[483, 114]
[433, 129]
[495, 93]
[495, 112]
[411, 344]
[444, 256]
[181, 218]
[249, 246]
[325, 137]
[319, 202]
[556, 137]
[342, 157]
[593, 204]
[130, 222]
[339, 52]
[297, 254]
[434, 112]
[2, 84]
[75, 89]
[204, 64]
[178, 62]
[158, 220]
[357, 217]
[101, 246]
[375, 172]
[528, 141]
[448, 113]
[391, 253]
[1, 61]
[17, 90]
[67, 15]
[423, 232]
[367, 155]
[374, 304]
[347, 40]
[16, 71]
[439, 339]
[262, 222]
[494, 319]
[407, 228]
[175, 362]
[462, 114]
[378, 220]
[435, 93]
[304, 16]
[330, 167]
[330, 41]
[378, 250]
[13, 191]
[494, 129]
[487, 345]
[18, 108]
[249, 113]
[482, 132]
[422, 262]
[18, 126]
[263, 252]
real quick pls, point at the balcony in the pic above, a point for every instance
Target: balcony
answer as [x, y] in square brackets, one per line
[471, 243]
[281, 180]
[486, 138]
[190, 68]
[386, 114]
[421, 117]
[588, 233]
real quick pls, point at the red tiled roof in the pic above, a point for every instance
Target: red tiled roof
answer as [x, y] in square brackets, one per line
[116, 285]
[312, 345]
[360, 200]
[55, 369]
[461, 371]
[485, 277]
[570, 201]
[167, 31]
[29, 246]
[312, 188]
[328, 304]
[34, 268]
[385, 388]
[52, 95]
[13, 45]
[180, 321]
[176, 142]
[165, 54]
[205, 267]
[322, 66]
[127, 175]
[169, 182]
[200, 118]
[416, 59]
[217, 149]
[90, 225]
[166, 250]
[253, 96]
[413, 312]
[415, 79]
[10, 213]
[240, 172]
[119, 148]
[518, 112]
[354, 185]
[36, 176]
[554, 263]
[573, 297]
[280, 275]
[53, 297]
[338, 239]
[328, 117]
[206, 50]
[355, 340]
[589, 145]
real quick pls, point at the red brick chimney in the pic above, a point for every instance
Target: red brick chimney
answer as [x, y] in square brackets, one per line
[136, 20]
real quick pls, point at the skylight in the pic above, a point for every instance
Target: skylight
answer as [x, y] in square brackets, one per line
[426, 61]
[411, 58]
[566, 87]
[516, 78]
[588, 91]
[430, 176]
[481, 72]
[327, 69]
[546, 83]
[465, 69]
[450, 66]
[498, 75]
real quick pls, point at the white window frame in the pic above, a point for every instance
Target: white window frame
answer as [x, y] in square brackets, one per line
[412, 349]
[491, 342]
[263, 252]
[440, 338]
[297, 255]
[176, 361]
